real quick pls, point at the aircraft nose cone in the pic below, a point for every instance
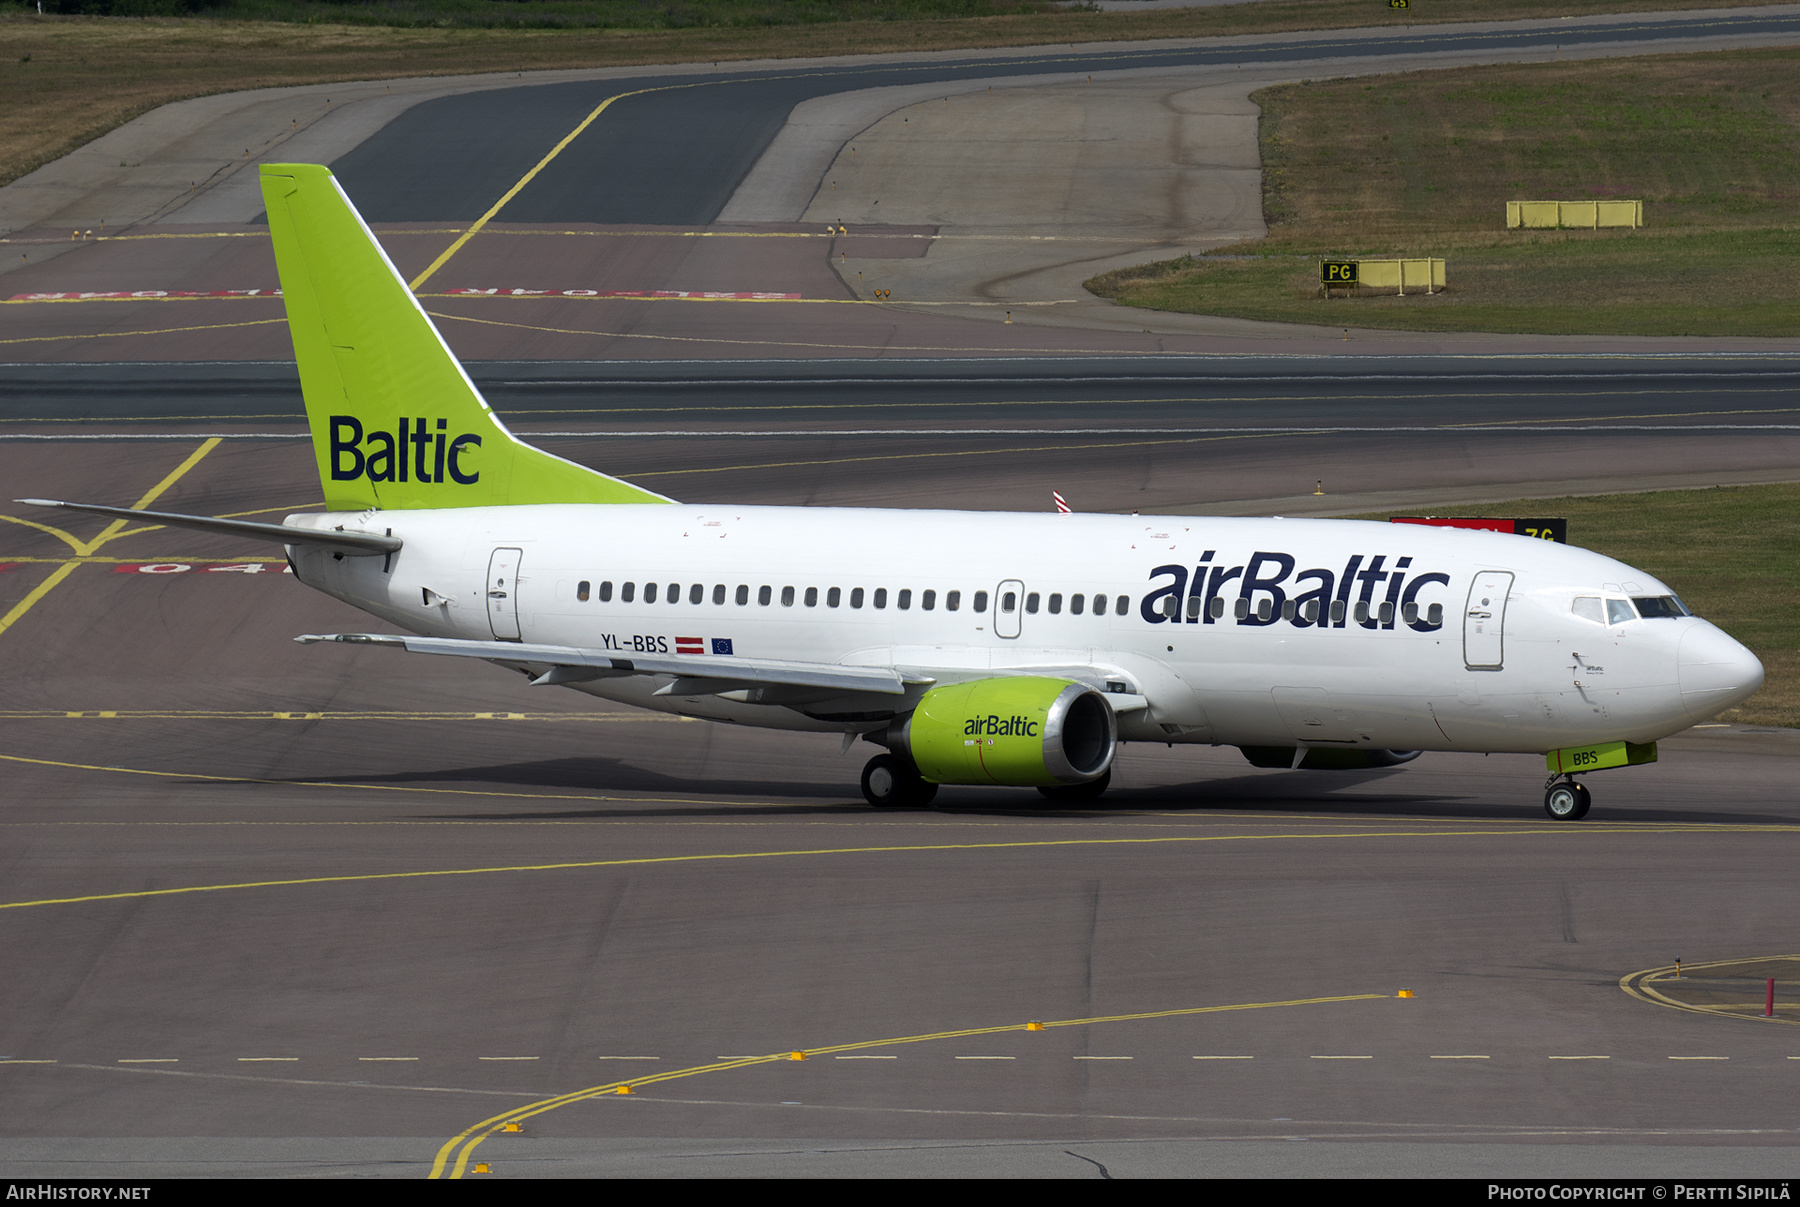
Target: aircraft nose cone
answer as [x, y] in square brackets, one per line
[1715, 672]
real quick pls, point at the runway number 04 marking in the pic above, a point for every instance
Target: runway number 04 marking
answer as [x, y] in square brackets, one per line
[186, 567]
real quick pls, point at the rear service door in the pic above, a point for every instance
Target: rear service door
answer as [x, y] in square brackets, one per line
[503, 593]
[1009, 603]
[1484, 620]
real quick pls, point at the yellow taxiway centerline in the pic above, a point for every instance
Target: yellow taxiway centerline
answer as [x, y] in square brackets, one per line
[84, 548]
[453, 1158]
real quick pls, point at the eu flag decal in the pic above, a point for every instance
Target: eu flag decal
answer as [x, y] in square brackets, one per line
[721, 645]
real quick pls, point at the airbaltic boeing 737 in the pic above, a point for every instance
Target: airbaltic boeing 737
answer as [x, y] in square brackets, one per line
[977, 648]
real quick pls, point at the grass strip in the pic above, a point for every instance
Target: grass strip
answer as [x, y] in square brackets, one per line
[65, 81]
[1729, 552]
[1424, 163]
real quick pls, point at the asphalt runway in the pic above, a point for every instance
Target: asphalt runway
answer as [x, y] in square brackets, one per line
[316, 911]
[1172, 435]
[674, 152]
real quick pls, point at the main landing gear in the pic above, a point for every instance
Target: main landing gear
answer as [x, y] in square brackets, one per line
[894, 783]
[1072, 793]
[1566, 800]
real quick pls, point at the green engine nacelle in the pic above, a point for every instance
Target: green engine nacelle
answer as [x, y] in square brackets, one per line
[1021, 731]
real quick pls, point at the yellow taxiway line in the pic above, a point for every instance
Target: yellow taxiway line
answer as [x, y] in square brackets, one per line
[453, 1158]
[111, 531]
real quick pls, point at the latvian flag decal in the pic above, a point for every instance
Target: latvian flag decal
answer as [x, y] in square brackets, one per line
[690, 645]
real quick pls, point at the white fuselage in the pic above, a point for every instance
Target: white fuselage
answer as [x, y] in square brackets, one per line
[1470, 640]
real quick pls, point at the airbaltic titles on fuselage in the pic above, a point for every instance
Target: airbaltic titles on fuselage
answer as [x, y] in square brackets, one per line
[412, 448]
[1267, 593]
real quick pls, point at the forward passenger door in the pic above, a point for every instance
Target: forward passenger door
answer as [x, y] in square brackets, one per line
[1484, 621]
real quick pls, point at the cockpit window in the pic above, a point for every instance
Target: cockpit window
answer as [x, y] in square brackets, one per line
[1618, 611]
[1656, 607]
[1588, 607]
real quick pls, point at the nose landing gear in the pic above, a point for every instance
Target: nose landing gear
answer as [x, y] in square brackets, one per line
[1566, 800]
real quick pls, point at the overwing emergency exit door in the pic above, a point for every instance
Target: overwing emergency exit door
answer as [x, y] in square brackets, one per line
[1484, 621]
[1009, 605]
[503, 593]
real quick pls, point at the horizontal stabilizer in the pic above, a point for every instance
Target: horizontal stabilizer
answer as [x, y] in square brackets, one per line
[352, 544]
[729, 670]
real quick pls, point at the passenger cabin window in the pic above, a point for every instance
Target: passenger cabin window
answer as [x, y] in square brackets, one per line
[764, 595]
[1099, 605]
[674, 595]
[1031, 603]
[696, 594]
[581, 590]
[833, 596]
[928, 600]
[1009, 601]
[787, 597]
[606, 591]
[1121, 605]
[856, 597]
[881, 597]
[981, 601]
[812, 597]
[719, 593]
[1075, 604]
[952, 600]
[626, 591]
[1055, 605]
[904, 601]
[743, 595]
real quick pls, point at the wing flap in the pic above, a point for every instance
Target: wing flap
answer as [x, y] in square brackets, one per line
[728, 668]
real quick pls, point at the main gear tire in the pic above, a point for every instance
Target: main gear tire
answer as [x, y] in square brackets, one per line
[1093, 789]
[1567, 800]
[893, 783]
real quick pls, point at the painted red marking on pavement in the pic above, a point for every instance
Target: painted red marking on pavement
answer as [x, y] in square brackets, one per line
[622, 293]
[90, 295]
[184, 567]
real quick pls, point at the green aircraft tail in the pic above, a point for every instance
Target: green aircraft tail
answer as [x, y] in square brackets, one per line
[396, 423]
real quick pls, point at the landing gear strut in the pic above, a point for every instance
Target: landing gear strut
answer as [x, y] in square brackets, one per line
[893, 783]
[1091, 790]
[1566, 800]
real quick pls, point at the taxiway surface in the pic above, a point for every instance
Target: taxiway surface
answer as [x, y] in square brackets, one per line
[321, 910]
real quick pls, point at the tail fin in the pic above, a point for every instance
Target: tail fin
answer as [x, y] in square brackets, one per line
[396, 423]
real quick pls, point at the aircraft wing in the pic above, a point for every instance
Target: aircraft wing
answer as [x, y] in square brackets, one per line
[695, 673]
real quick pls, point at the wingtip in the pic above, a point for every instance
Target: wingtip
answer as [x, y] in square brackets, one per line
[41, 502]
